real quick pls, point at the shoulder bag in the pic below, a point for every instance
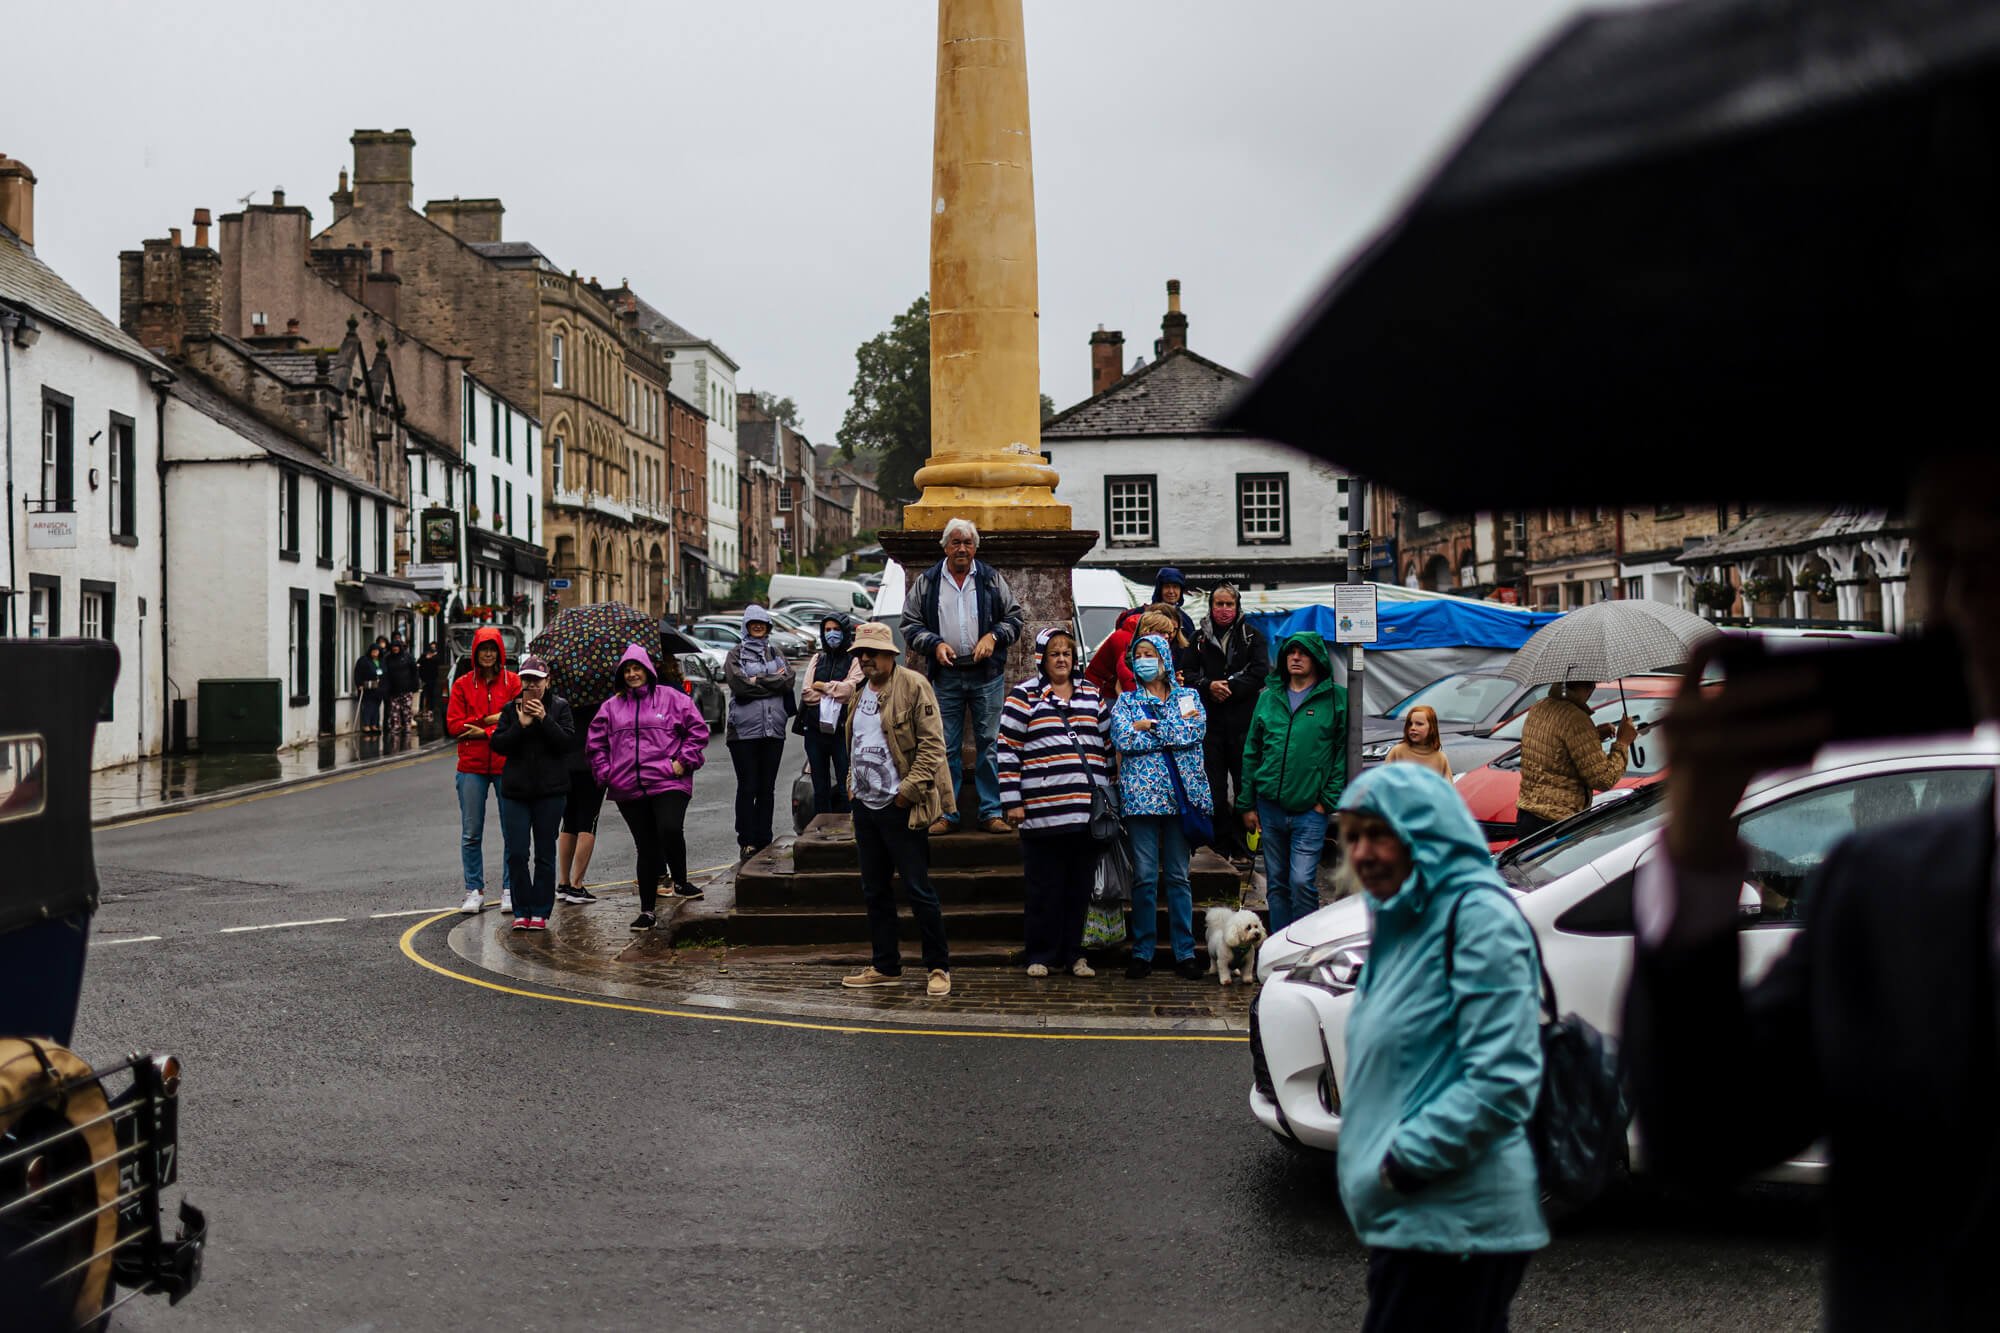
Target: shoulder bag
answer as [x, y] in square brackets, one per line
[1577, 1130]
[1196, 824]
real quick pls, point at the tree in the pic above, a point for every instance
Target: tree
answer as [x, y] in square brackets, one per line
[779, 409]
[1048, 407]
[890, 412]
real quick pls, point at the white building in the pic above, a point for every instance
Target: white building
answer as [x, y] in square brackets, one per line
[1142, 465]
[81, 431]
[704, 375]
[278, 569]
[505, 566]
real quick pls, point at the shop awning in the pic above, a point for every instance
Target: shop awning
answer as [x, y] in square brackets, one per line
[381, 590]
[701, 557]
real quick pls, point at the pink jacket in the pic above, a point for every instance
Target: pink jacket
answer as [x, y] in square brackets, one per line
[638, 736]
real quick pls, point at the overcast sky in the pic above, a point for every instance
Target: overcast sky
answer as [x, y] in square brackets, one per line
[759, 169]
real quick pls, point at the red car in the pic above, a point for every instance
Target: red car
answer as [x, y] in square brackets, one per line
[1492, 789]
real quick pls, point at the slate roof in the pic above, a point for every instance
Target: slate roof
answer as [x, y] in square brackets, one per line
[291, 367]
[198, 394]
[669, 331]
[1788, 531]
[512, 254]
[1181, 393]
[27, 282]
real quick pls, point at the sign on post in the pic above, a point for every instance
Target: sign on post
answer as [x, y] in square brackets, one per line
[1354, 613]
[439, 537]
[52, 532]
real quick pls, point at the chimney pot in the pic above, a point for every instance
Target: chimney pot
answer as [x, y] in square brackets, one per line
[174, 235]
[1107, 355]
[1173, 328]
[17, 198]
[257, 324]
[1174, 294]
[201, 221]
[291, 328]
[388, 260]
[278, 197]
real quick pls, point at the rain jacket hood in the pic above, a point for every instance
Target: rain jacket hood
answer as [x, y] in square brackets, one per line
[634, 653]
[1160, 646]
[1179, 724]
[756, 612]
[473, 699]
[1168, 574]
[1442, 1073]
[1296, 758]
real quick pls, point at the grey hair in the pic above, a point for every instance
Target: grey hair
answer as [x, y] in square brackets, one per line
[958, 525]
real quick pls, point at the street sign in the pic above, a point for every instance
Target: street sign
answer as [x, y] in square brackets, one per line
[51, 532]
[1354, 613]
[557, 585]
[429, 575]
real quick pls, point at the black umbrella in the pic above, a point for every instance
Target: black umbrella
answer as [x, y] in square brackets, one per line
[1696, 250]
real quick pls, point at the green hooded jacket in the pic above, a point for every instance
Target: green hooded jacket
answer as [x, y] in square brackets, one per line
[1297, 760]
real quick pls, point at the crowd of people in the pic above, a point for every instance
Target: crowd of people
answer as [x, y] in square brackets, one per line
[394, 688]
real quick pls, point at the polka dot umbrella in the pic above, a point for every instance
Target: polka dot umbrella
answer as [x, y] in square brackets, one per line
[583, 645]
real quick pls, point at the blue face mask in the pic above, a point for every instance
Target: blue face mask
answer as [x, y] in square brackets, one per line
[1147, 669]
[834, 638]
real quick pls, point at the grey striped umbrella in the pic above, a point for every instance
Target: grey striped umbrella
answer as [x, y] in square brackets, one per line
[1607, 640]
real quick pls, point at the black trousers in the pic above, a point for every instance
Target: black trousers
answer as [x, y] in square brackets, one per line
[1058, 870]
[756, 764]
[1525, 823]
[888, 845]
[655, 822]
[1222, 756]
[1411, 1291]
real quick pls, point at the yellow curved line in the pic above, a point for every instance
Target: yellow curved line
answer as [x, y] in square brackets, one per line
[408, 946]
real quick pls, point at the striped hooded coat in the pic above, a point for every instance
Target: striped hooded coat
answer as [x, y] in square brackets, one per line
[1052, 750]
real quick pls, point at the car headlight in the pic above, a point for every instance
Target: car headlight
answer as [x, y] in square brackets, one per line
[1377, 750]
[1334, 966]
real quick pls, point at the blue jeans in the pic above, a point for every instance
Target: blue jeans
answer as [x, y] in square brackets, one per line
[1160, 853]
[955, 691]
[472, 789]
[1292, 847]
[540, 820]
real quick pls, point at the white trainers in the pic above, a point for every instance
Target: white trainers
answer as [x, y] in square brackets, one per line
[506, 902]
[474, 904]
[1038, 969]
[1082, 968]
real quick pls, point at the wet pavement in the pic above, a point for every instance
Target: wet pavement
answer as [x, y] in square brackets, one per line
[164, 781]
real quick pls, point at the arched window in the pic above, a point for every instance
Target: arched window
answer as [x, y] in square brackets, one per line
[556, 462]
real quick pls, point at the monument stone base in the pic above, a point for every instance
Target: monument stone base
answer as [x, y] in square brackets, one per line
[1036, 566]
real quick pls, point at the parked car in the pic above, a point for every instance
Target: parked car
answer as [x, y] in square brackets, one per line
[789, 641]
[1468, 703]
[701, 667]
[844, 593]
[1574, 882]
[720, 636]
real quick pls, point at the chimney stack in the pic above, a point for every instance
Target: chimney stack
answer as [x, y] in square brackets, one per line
[1173, 329]
[382, 167]
[474, 221]
[278, 197]
[342, 198]
[167, 293]
[1107, 357]
[291, 328]
[17, 199]
[174, 235]
[257, 326]
[201, 221]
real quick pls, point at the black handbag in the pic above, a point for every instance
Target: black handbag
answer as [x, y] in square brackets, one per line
[1578, 1128]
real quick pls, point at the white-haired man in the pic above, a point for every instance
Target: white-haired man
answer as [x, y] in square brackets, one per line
[960, 616]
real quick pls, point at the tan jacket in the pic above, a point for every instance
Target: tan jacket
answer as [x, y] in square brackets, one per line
[1405, 753]
[1563, 760]
[915, 731]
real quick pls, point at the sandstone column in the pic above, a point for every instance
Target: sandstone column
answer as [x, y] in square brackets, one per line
[985, 462]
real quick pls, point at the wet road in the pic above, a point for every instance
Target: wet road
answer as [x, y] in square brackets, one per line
[382, 1148]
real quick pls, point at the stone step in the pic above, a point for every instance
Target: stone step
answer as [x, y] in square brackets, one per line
[764, 886]
[961, 920]
[828, 844]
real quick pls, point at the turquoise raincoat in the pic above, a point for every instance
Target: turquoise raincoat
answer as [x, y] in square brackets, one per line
[1445, 1076]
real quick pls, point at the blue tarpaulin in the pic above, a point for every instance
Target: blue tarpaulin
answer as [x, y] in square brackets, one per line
[1445, 622]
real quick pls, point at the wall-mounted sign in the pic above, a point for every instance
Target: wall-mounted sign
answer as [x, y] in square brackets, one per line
[440, 536]
[51, 532]
[432, 575]
[558, 585]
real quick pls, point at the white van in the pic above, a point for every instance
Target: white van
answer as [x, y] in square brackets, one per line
[840, 594]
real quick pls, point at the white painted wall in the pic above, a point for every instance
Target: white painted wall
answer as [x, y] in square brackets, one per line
[99, 383]
[707, 379]
[487, 457]
[1195, 482]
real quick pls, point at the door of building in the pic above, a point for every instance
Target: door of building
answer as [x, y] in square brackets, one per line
[329, 663]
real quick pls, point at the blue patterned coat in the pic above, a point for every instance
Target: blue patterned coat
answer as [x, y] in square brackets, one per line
[1180, 723]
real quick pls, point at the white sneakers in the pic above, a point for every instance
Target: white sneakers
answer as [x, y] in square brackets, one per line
[474, 903]
[506, 902]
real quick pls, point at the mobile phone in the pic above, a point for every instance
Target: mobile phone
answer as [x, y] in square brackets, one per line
[1874, 688]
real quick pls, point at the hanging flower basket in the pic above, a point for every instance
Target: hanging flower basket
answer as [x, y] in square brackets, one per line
[1764, 590]
[425, 608]
[522, 601]
[1821, 587]
[482, 612]
[1715, 594]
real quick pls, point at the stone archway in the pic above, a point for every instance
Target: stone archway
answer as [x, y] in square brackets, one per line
[1438, 574]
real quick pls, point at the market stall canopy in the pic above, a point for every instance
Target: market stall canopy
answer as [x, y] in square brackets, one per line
[1696, 249]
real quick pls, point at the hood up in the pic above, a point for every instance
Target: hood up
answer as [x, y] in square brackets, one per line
[1313, 644]
[1447, 851]
[489, 634]
[1168, 574]
[755, 612]
[1160, 646]
[634, 653]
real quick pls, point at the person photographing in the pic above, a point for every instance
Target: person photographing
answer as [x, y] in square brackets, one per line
[1562, 759]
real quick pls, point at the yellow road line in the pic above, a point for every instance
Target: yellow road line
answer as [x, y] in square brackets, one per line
[408, 946]
[276, 791]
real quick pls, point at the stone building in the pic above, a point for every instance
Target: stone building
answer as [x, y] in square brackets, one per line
[542, 338]
[1825, 566]
[1474, 555]
[759, 474]
[1144, 466]
[1572, 557]
[860, 495]
[688, 470]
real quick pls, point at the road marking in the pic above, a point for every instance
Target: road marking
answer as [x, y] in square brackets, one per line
[414, 911]
[283, 925]
[408, 946]
[136, 939]
[277, 791]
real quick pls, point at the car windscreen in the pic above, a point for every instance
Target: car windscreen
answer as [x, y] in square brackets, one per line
[1098, 622]
[1575, 843]
[1460, 699]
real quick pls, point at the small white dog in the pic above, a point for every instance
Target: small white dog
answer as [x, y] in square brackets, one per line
[1233, 937]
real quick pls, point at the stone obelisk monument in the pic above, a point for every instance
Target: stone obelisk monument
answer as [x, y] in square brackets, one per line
[986, 460]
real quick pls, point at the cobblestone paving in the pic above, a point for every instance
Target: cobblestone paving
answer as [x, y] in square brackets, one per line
[589, 950]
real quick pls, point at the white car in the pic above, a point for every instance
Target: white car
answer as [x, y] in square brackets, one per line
[1574, 884]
